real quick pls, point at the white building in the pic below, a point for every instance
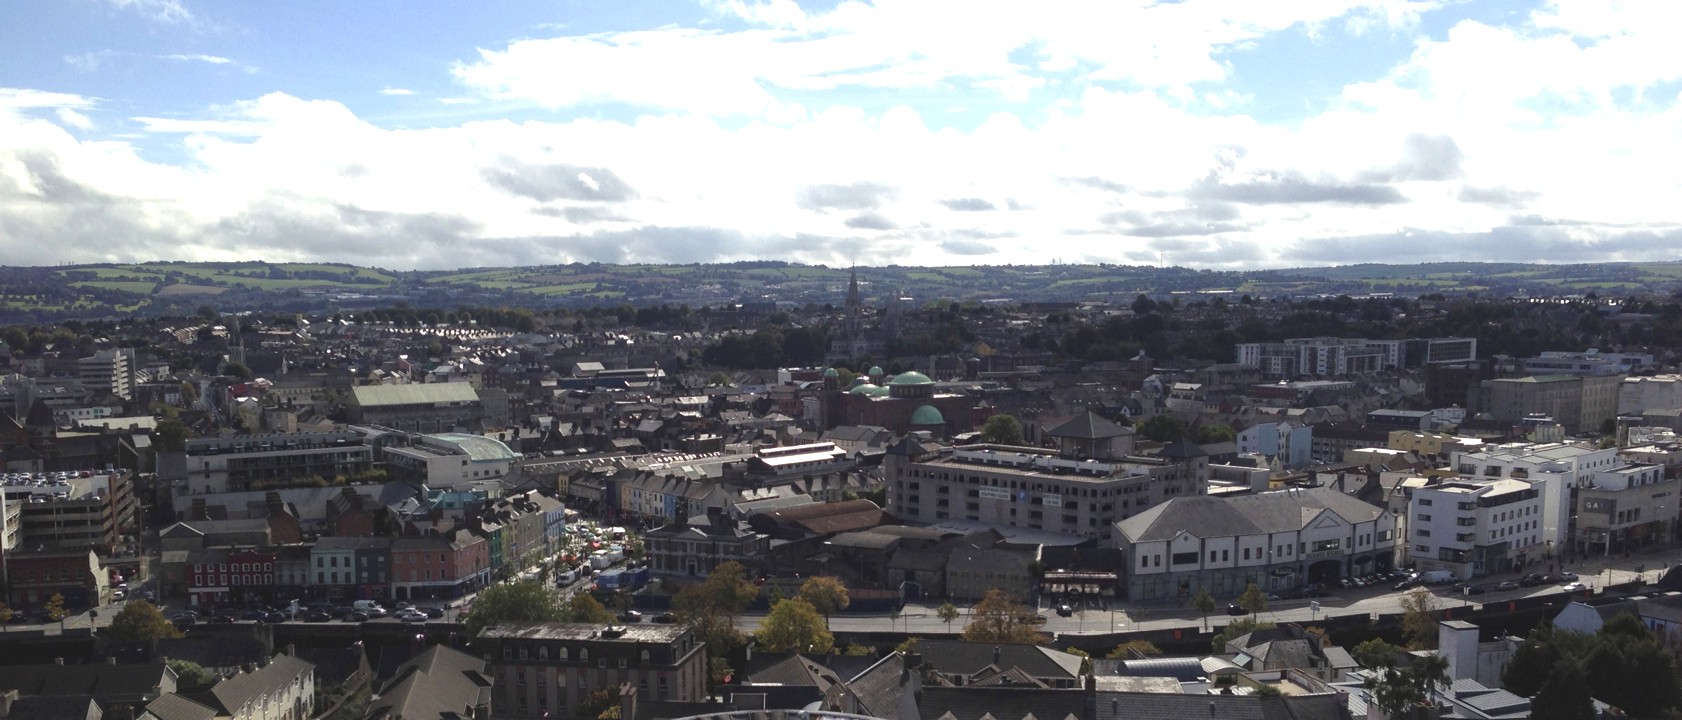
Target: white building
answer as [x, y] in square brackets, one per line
[1560, 467]
[1475, 528]
[449, 459]
[1591, 362]
[1320, 356]
[1626, 507]
[108, 371]
[1276, 540]
[1291, 442]
[1638, 394]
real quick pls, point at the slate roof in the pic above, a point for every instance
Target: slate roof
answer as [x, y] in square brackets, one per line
[413, 394]
[170, 706]
[102, 680]
[952, 657]
[1270, 512]
[236, 692]
[1001, 703]
[437, 681]
[1088, 426]
[70, 707]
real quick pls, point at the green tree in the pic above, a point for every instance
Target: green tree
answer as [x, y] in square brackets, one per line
[999, 619]
[1419, 619]
[907, 647]
[1002, 430]
[191, 676]
[1085, 659]
[237, 370]
[1375, 653]
[1565, 695]
[5, 617]
[1162, 428]
[140, 620]
[1236, 629]
[1213, 433]
[947, 612]
[1398, 690]
[793, 625]
[718, 379]
[1253, 600]
[1629, 668]
[527, 601]
[1134, 649]
[711, 607]
[1205, 604]
[718, 671]
[585, 608]
[827, 594]
[171, 435]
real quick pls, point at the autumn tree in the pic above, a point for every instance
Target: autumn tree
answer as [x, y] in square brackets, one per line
[5, 616]
[1419, 619]
[999, 619]
[585, 608]
[712, 606]
[793, 625]
[826, 594]
[1238, 628]
[526, 601]
[56, 611]
[1205, 604]
[140, 620]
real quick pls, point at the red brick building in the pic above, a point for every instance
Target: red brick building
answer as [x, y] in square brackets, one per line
[36, 575]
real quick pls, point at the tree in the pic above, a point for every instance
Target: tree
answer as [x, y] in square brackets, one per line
[585, 608]
[1375, 653]
[1085, 659]
[1002, 430]
[1565, 695]
[1419, 619]
[56, 611]
[999, 619]
[1236, 629]
[1253, 600]
[1629, 668]
[1205, 603]
[947, 612]
[711, 606]
[827, 594]
[237, 370]
[793, 625]
[1162, 428]
[1398, 690]
[171, 435]
[719, 671]
[907, 647]
[140, 620]
[191, 676]
[1134, 649]
[526, 601]
[1213, 433]
[5, 617]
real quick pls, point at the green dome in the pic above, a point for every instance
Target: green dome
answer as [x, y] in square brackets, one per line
[830, 372]
[912, 378]
[860, 380]
[864, 389]
[877, 391]
[927, 415]
[874, 371]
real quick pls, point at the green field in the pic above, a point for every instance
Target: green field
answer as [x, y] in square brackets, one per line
[138, 287]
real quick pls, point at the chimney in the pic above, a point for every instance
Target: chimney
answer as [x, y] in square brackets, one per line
[995, 654]
[58, 661]
[291, 650]
[111, 660]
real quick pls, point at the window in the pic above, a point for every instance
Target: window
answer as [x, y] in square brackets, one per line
[543, 653]
[565, 654]
[645, 657]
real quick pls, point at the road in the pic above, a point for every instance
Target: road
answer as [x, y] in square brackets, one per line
[921, 619]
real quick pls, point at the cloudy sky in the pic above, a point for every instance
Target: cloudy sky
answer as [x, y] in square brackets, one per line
[1223, 134]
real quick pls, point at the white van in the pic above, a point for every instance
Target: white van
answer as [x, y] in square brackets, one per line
[369, 606]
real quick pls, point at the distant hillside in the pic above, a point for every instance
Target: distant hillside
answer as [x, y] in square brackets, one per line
[34, 294]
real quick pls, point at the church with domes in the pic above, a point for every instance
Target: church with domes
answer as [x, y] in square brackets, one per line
[903, 403]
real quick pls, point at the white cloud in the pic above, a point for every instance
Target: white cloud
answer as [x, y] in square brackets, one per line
[170, 12]
[1457, 145]
[210, 59]
[396, 91]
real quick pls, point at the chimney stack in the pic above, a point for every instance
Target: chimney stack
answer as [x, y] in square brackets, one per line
[995, 654]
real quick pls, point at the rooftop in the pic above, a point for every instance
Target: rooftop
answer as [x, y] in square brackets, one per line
[585, 631]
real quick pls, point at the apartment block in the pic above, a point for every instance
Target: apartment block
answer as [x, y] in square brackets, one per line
[1559, 467]
[1476, 528]
[550, 669]
[248, 462]
[1626, 507]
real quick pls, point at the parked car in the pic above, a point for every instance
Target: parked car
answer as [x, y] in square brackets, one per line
[1064, 610]
[276, 617]
[433, 613]
[1567, 576]
[254, 615]
[317, 616]
[1236, 609]
[1572, 587]
[1407, 583]
[411, 615]
[356, 616]
[119, 594]
[222, 619]
[1532, 580]
[630, 616]
[1507, 585]
[184, 620]
[664, 618]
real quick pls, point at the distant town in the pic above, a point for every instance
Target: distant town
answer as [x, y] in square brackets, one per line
[1405, 498]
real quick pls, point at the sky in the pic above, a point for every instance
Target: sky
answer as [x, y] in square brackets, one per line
[1219, 134]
